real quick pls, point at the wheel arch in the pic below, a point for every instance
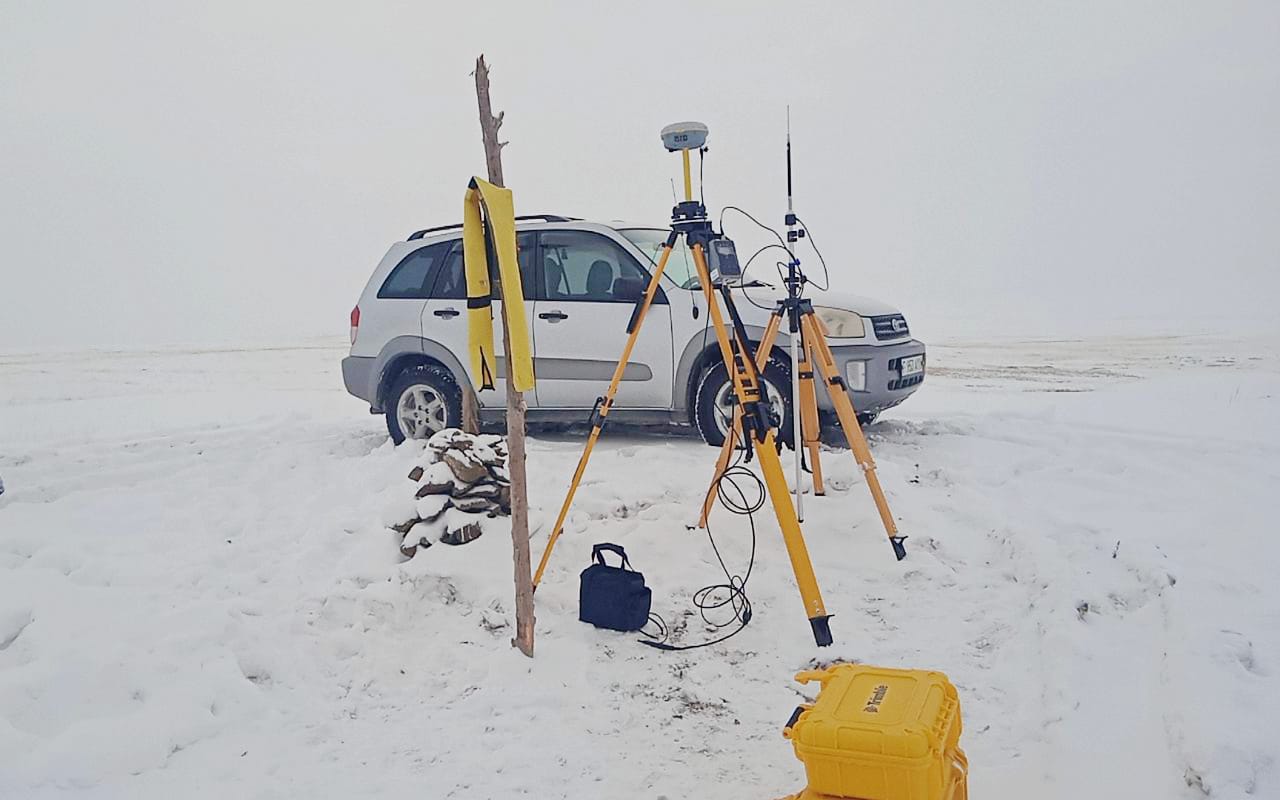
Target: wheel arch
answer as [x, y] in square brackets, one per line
[407, 352]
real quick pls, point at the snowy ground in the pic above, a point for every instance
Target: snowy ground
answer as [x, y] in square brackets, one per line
[198, 597]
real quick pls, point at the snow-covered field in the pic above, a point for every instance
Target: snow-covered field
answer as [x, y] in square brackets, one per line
[199, 598]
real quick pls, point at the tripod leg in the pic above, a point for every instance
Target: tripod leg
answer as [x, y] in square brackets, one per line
[793, 538]
[810, 429]
[745, 383]
[826, 365]
[601, 413]
[726, 450]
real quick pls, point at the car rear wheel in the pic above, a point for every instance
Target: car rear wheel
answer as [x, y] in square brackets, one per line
[423, 401]
[716, 401]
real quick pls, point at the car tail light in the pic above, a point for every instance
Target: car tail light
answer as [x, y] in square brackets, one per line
[355, 323]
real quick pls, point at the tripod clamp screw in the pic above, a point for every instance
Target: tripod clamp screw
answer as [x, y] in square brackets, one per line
[597, 419]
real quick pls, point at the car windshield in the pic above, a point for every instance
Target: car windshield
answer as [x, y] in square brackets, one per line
[679, 269]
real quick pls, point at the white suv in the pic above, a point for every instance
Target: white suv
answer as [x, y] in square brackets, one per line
[581, 283]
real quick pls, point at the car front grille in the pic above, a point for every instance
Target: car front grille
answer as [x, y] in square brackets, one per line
[890, 326]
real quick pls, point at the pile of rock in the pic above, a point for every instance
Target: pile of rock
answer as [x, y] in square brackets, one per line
[461, 480]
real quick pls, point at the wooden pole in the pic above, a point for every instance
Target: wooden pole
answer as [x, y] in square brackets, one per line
[489, 125]
[470, 410]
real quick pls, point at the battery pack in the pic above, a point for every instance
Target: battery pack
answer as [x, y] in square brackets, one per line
[876, 733]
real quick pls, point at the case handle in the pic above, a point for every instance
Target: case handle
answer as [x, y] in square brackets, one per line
[819, 675]
[598, 551]
[791, 722]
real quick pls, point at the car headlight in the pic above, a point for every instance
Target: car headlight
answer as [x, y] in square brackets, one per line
[840, 324]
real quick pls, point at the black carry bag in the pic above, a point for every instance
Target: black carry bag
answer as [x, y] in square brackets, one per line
[613, 597]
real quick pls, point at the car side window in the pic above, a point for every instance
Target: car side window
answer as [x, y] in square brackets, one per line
[413, 276]
[451, 284]
[453, 279]
[526, 252]
[588, 267]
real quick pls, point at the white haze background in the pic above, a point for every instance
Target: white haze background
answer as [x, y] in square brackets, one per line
[209, 173]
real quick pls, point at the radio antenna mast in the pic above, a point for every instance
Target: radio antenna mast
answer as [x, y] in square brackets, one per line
[794, 283]
[790, 209]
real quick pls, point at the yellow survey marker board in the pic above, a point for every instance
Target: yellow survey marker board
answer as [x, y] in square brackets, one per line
[485, 248]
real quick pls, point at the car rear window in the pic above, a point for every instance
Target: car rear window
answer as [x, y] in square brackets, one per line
[413, 277]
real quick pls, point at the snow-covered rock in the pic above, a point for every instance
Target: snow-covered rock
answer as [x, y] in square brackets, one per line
[460, 473]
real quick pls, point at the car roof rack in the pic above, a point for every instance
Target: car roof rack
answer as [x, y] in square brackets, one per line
[521, 218]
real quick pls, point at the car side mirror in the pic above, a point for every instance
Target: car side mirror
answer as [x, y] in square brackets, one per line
[628, 288]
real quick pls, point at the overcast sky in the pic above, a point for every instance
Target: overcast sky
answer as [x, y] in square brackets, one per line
[220, 172]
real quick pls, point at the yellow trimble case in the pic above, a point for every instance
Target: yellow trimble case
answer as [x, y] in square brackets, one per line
[880, 734]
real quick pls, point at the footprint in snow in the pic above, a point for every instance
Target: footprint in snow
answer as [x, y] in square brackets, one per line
[12, 626]
[1240, 648]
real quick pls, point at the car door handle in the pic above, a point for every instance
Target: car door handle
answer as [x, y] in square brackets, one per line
[447, 313]
[553, 316]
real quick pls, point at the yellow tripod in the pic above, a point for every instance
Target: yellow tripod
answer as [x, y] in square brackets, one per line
[813, 352]
[689, 219]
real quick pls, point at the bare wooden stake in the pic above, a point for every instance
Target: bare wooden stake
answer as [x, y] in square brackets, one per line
[489, 125]
[470, 410]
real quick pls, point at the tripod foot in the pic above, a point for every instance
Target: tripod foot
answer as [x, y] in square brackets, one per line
[899, 548]
[821, 630]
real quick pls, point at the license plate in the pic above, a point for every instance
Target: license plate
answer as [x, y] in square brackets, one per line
[912, 365]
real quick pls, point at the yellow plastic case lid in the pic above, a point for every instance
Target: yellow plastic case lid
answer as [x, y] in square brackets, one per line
[878, 711]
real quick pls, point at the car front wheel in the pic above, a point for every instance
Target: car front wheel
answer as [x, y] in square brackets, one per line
[423, 401]
[716, 400]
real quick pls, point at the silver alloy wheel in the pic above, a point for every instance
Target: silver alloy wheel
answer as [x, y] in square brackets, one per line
[725, 401]
[421, 411]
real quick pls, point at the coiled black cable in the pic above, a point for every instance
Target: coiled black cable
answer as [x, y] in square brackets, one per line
[776, 235]
[741, 492]
[742, 288]
[825, 273]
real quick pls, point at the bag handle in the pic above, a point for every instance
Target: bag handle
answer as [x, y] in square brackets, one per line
[598, 551]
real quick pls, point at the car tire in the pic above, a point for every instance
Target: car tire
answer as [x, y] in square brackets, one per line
[716, 388]
[422, 400]
[866, 419]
